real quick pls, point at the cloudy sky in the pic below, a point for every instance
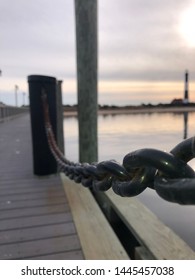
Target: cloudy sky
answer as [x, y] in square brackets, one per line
[144, 48]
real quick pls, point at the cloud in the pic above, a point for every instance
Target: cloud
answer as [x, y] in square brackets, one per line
[139, 40]
[37, 36]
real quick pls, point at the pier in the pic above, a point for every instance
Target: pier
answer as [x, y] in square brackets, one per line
[36, 222]
[51, 217]
[52, 208]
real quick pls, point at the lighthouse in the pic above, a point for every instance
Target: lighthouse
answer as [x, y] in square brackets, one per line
[186, 97]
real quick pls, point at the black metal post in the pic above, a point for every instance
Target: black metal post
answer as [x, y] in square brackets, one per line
[43, 161]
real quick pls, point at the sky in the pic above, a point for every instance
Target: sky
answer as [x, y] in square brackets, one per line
[144, 48]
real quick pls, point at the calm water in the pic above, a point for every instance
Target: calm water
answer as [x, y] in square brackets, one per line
[121, 134]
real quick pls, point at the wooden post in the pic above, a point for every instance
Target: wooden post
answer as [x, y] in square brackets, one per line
[86, 41]
[60, 118]
[16, 95]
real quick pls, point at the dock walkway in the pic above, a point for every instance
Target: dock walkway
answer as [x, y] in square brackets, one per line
[35, 218]
[53, 218]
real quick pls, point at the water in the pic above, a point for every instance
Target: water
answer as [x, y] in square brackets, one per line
[121, 134]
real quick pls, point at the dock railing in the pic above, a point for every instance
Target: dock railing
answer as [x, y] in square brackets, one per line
[7, 111]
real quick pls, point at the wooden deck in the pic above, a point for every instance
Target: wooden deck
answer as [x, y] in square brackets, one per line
[35, 218]
[36, 221]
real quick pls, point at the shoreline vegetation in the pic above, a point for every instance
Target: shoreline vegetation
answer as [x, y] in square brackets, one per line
[71, 110]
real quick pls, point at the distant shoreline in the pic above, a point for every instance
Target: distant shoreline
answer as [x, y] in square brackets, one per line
[72, 112]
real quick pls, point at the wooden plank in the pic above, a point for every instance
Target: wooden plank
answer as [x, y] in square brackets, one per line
[15, 173]
[72, 255]
[53, 178]
[33, 196]
[23, 222]
[97, 238]
[160, 240]
[23, 190]
[31, 249]
[35, 219]
[8, 204]
[86, 49]
[29, 182]
[141, 253]
[42, 210]
[35, 233]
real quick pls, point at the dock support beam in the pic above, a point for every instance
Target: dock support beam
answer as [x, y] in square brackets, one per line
[86, 41]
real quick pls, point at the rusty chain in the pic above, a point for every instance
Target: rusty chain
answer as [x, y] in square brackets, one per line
[167, 173]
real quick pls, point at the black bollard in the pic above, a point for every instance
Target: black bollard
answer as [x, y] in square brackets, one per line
[43, 160]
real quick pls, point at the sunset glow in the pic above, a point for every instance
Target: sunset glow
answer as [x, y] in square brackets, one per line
[187, 24]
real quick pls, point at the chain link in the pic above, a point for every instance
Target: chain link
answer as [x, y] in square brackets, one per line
[167, 173]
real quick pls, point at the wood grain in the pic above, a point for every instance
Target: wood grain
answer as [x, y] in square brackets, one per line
[157, 238]
[97, 238]
[35, 218]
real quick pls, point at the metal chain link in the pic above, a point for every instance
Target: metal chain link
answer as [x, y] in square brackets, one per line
[167, 173]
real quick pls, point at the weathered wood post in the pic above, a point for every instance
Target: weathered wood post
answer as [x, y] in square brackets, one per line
[59, 109]
[86, 42]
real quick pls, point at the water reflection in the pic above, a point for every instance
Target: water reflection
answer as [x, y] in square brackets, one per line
[121, 134]
[185, 118]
